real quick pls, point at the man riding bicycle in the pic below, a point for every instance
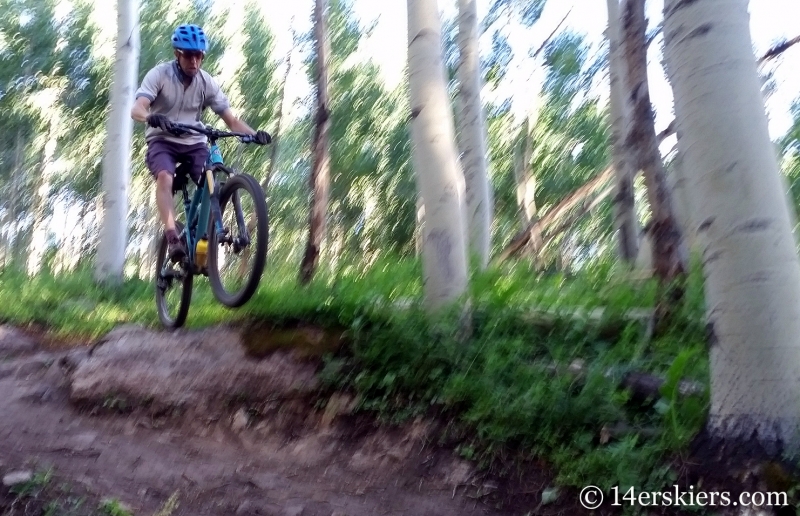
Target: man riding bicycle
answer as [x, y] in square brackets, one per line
[179, 91]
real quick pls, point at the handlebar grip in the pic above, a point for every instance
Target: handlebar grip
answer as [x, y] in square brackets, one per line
[177, 131]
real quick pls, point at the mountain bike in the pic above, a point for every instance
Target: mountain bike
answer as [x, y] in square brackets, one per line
[224, 227]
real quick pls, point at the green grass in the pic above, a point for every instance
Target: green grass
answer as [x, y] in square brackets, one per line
[495, 387]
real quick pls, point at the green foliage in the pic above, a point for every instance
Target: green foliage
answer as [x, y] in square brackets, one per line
[113, 508]
[35, 485]
[501, 388]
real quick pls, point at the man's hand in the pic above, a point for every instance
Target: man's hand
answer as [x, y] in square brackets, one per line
[160, 121]
[262, 138]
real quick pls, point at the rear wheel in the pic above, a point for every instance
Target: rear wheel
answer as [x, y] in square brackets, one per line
[236, 258]
[173, 286]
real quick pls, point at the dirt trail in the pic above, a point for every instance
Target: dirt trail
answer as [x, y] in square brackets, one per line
[220, 460]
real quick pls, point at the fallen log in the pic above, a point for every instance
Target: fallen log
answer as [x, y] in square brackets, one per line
[622, 429]
[555, 214]
[642, 385]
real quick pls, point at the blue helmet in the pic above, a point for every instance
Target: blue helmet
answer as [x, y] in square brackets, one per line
[189, 37]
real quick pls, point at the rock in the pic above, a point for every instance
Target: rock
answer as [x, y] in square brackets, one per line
[550, 495]
[167, 372]
[33, 367]
[295, 510]
[240, 420]
[72, 359]
[7, 370]
[267, 481]
[17, 477]
[13, 342]
[458, 472]
[338, 404]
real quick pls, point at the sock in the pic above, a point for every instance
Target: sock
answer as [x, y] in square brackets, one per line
[172, 236]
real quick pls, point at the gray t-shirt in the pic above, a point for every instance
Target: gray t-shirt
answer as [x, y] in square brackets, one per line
[163, 86]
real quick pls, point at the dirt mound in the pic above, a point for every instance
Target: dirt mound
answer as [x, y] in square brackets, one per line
[283, 455]
[186, 370]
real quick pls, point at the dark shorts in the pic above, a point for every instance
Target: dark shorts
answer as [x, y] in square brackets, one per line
[164, 155]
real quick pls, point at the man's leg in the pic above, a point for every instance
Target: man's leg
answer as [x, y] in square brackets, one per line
[166, 204]
[161, 159]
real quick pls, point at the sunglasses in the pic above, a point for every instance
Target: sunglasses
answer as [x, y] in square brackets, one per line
[192, 54]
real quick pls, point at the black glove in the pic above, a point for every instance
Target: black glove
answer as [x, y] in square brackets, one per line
[262, 138]
[160, 121]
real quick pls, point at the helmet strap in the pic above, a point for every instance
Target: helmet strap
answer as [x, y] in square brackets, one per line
[184, 77]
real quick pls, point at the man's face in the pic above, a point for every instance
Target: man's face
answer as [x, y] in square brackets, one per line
[189, 61]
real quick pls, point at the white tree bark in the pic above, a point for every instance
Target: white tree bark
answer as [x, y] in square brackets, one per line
[321, 161]
[526, 185]
[117, 158]
[750, 260]
[669, 259]
[472, 134]
[625, 221]
[41, 220]
[435, 159]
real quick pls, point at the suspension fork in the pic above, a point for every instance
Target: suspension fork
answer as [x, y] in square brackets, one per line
[244, 232]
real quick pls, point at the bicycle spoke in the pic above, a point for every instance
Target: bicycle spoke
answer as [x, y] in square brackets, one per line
[240, 252]
[173, 286]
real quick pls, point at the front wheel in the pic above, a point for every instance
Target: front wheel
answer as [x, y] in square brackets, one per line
[237, 256]
[173, 284]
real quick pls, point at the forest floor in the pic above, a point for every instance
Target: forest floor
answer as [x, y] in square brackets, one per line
[144, 422]
[188, 423]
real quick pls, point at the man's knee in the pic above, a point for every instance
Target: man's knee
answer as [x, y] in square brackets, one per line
[164, 179]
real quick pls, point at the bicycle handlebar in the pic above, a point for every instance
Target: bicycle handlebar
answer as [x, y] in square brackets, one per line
[178, 129]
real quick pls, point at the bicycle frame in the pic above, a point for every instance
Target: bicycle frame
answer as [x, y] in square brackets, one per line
[203, 204]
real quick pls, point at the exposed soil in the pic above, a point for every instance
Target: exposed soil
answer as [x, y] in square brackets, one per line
[143, 416]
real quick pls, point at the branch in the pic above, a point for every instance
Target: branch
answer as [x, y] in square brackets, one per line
[772, 53]
[587, 207]
[778, 50]
[555, 213]
[663, 135]
[642, 384]
[548, 38]
[652, 37]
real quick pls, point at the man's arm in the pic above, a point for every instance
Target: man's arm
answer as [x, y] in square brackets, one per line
[140, 109]
[234, 124]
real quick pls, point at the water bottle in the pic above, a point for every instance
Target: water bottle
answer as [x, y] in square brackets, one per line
[201, 252]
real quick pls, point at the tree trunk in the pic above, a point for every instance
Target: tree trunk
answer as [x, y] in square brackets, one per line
[676, 180]
[113, 238]
[752, 271]
[526, 189]
[435, 159]
[418, 229]
[669, 260]
[625, 220]
[320, 169]
[44, 176]
[472, 135]
[273, 156]
[9, 228]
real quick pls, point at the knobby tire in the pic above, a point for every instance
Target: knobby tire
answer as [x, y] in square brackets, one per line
[186, 283]
[229, 201]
